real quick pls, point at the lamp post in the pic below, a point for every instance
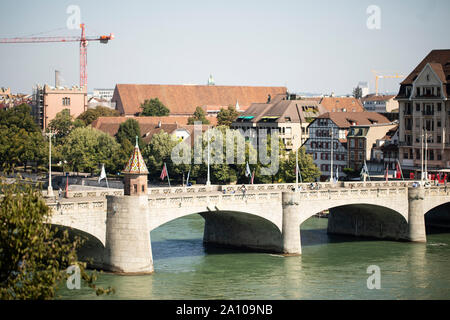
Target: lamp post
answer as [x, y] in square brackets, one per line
[50, 189]
[208, 181]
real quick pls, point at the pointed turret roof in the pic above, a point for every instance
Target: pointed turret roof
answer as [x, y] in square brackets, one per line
[136, 164]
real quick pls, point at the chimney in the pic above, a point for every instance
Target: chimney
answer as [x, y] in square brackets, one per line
[57, 84]
[159, 124]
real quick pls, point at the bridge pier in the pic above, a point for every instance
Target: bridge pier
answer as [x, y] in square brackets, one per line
[416, 219]
[127, 246]
[291, 224]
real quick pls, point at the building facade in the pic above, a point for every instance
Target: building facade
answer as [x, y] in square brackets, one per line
[289, 117]
[362, 143]
[48, 101]
[331, 129]
[424, 114]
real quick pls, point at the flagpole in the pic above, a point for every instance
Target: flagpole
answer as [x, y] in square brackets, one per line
[208, 181]
[167, 172]
[401, 171]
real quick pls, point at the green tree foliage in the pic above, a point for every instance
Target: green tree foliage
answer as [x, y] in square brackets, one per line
[154, 108]
[308, 170]
[159, 151]
[85, 149]
[357, 92]
[20, 138]
[199, 115]
[91, 115]
[63, 124]
[34, 256]
[226, 117]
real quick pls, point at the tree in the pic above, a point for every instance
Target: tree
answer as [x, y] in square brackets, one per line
[20, 138]
[199, 115]
[154, 108]
[226, 117]
[308, 170]
[357, 92]
[126, 136]
[63, 124]
[159, 151]
[87, 148]
[91, 115]
[33, 255]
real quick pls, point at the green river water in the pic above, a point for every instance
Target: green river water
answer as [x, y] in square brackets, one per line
[330, 267]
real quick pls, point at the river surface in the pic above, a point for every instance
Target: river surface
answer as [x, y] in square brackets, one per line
[330, 267]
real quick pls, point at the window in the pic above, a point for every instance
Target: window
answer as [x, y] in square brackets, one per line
[142, 188]
[439, 123]
[439, 107]
[352, 143]
[439, 156]
[66, 101]
[439, 139]
[360, 143]
[135, 188]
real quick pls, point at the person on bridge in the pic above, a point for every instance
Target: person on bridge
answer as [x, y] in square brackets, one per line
[243, 189]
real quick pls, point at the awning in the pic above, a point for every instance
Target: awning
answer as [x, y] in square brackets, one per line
[246, 117]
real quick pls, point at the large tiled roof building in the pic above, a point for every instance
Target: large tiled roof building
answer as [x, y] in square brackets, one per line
[183, 99]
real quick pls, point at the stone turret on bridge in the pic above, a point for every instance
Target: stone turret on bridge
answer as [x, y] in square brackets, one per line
[127, 245]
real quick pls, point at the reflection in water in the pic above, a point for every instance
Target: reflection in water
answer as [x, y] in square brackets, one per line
[331, 267]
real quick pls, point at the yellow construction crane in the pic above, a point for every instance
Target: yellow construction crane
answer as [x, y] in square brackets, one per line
[379, 76]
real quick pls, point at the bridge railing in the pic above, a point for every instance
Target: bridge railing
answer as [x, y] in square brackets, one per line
[322, 185]
[437, 191]
[205, 199]
[347, 193]
[176, 190]
[76, 206]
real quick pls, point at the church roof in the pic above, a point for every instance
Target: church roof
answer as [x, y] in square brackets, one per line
[136, 164]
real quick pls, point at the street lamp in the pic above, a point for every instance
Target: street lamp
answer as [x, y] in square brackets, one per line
[50, 189]
[208, 182]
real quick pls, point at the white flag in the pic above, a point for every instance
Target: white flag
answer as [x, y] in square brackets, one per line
[102, 174]
[248, 172]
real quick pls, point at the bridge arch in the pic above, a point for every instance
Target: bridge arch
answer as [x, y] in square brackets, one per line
[92, 248]
[230, 227]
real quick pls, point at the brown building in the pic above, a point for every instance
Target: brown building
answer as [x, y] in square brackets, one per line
[48, 101]
[361, 139]
[424, 110]
[183, 99]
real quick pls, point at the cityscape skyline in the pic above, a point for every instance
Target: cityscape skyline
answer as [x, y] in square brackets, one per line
[250, 43]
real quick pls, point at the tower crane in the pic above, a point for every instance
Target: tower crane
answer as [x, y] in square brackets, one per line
[378, 76]
[83, 40]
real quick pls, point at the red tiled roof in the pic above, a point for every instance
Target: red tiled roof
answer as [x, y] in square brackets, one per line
[183, 99]
[341, 104]
[435, 57]
[346, 119]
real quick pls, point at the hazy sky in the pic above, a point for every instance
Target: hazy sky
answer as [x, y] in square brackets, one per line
[309, 46]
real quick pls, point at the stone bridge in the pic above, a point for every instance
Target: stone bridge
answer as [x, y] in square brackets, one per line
[266, 218]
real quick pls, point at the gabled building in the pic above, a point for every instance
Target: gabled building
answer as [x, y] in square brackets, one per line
[330, 130]
[424, 110]
[290, 117]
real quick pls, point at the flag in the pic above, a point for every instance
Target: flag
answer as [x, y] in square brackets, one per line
[163, 172]
[364, 169]
[253, 176]
[187, 179]
[399, 174]
[337, 174]
[102, 174]
[411, 175]
[247, 171]
[394, 175]
[386, 174]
